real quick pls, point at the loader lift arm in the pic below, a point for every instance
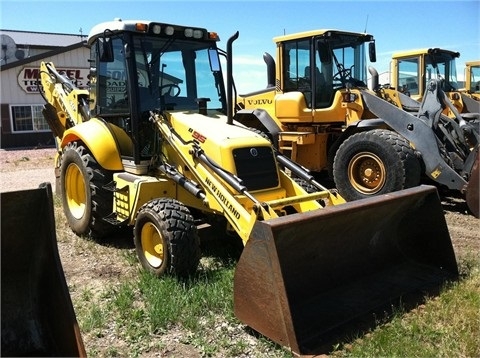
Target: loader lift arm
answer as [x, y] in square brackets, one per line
[241, 208]
[420, 131]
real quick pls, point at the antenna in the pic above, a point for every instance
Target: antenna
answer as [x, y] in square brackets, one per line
[366, 23]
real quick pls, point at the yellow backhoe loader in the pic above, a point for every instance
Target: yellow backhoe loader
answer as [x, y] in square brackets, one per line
[153, 145]
[317, 110]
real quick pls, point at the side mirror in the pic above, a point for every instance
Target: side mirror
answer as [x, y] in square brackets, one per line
[105, 49]
[214, 60]
[372, 53]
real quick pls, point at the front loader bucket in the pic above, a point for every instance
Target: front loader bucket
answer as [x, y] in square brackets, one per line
[305, 279]
[37, 313]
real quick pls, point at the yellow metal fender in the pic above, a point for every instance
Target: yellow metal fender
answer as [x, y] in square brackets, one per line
[105, 141]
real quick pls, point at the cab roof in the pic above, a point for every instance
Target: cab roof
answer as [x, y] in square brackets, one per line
[320, 32]
[118, 25]
[425, 51]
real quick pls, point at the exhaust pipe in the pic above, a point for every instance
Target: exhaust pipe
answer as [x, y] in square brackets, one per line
[230, 101]
[270, 62]
[375, 80]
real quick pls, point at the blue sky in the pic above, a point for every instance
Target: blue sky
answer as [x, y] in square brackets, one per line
[396, 25]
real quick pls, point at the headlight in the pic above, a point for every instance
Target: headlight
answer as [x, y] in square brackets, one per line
[156, 29]
[169, 30]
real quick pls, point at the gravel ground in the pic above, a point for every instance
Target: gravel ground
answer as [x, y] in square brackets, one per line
[26, 169]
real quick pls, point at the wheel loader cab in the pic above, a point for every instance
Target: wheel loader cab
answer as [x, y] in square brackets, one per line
[472, 78]
[412, 70]
[140, 68]
[318, 64]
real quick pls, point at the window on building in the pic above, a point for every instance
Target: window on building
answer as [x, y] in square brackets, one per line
[28, 118]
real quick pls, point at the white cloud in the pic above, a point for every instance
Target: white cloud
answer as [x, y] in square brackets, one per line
[249, 80]
[249, 73]
[248, 60]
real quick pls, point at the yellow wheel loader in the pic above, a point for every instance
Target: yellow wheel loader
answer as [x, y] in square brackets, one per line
[153, 145]
[318, 111]
[472, 79]
[411, 72]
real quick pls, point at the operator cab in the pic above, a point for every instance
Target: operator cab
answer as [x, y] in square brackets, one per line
[320, 63]
[140, 67]
[414, 69]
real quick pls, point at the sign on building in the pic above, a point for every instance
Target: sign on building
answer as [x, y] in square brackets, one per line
[29, 77]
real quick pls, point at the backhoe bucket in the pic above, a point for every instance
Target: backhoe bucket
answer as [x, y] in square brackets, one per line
[305, 279]
[37, 312]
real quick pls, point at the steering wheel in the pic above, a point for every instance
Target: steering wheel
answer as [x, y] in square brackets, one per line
[119, 104]
[172, 89]
[343, 73]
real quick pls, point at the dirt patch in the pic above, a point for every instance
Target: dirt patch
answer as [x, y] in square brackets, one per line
[26, 169]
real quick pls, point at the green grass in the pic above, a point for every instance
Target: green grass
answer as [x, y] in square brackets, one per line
[171, 301]
[136, 311]
[446, 326]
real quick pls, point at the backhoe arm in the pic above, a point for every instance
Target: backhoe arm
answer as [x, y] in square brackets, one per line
[67, 105]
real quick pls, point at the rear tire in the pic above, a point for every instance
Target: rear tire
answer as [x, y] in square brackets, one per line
[166, 238]
[373, 163]
[85, 202]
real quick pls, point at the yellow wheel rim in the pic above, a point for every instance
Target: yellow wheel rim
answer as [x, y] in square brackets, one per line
[367, 173]
[152, 245]
[75, 191]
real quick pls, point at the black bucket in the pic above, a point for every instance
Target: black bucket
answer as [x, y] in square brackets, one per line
[37, 315]
[305, 278]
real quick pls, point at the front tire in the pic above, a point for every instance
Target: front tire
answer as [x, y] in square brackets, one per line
[85, 202]
[166, 238]
[373, 163]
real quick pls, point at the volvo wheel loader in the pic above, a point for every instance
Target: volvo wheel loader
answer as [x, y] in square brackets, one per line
[318, 110]
[153, 145]
[472, 79]
[411, 72]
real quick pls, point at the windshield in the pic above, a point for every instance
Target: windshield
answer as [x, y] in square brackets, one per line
[175, 74]
[336, 62]
[349, 63]
[474, 79]
[442, 67]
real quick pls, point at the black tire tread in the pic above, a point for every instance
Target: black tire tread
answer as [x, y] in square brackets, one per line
[405, 170]
[101, 199]
[181, 232]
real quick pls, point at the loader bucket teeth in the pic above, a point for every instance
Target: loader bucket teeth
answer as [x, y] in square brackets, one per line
[37, 312]
[304, 279]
